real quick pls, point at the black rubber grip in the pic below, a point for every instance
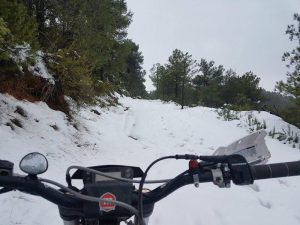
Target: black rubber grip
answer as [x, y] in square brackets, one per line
[285, 169]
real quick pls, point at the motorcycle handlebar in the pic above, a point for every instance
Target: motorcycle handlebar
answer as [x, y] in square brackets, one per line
[258, 172]
[57, 197]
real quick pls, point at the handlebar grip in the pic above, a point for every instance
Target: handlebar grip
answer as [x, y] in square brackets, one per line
[275, 170]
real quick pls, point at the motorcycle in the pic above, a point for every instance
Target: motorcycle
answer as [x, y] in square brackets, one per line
[115, 193]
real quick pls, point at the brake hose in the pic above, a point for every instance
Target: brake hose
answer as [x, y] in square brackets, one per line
[140, 195]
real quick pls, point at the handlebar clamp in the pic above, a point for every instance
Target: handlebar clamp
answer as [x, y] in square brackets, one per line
[220, 177]
[230, 167]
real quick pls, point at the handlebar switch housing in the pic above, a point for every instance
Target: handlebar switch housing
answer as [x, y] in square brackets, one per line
[6, 168]
[240, 170]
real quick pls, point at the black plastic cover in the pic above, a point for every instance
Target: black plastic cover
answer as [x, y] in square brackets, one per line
[121, 190]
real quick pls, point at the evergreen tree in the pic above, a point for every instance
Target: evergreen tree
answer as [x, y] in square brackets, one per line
[163, 82]
[4, 39]
[172, 79]
[84, 33]
[210, 87]
[292, 85]
[4, 32]
[74, 75]
[159, 77]
[21, 26]
[84, 44]
[181, 68]
[242, 92]
[209, 82]
[133, 79]
[17, 29]
[275, 102]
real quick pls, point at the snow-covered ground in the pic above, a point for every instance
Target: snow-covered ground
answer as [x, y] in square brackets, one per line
[136, 133]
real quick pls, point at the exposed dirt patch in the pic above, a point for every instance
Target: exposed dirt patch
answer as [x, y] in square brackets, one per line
[34, 88]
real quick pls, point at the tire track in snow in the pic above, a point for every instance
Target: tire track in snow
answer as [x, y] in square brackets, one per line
[130, 124]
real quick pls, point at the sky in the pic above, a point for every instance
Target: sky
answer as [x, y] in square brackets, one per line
[242, 35]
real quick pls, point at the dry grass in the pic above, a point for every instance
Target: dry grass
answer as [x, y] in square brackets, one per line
[54, 126]
[16, 122]
[33, 88]
[21, 111]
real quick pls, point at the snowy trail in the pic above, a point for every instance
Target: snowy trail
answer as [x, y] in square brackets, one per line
[136, 133]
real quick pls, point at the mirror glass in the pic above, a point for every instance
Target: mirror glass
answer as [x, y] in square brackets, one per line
[34, 163]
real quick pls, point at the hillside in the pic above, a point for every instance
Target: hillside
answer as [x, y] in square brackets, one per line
[136, 133]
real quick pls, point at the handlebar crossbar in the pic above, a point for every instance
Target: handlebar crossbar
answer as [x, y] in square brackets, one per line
[35, 187]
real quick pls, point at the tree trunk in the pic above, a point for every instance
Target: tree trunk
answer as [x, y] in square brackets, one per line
[176, 86]
[29, 4]
[182, 91]
[40, 17]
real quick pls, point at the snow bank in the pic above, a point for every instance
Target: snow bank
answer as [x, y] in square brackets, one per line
[136, 133]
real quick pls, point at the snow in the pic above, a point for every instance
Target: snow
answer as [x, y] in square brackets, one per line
[136, 133]
[21, 53]
[40, 69]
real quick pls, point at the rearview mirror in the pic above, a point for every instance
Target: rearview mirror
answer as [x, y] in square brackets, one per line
[34, 163]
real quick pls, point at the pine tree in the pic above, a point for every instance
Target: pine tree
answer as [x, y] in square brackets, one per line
[93, 30]
[16, 29]
[173, 79]
[292, 85]
[159, 78]
[242, 92]
[22, 27]
[74, 75]
[133, 79]
[4, 39]
[4, 32]
[209, 82]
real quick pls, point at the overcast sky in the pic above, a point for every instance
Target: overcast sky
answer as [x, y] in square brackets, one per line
[240, 34]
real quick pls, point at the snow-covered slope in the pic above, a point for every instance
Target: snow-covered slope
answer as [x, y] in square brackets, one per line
[136, 133]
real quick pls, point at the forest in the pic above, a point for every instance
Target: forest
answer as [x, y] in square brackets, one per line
[84, 45]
